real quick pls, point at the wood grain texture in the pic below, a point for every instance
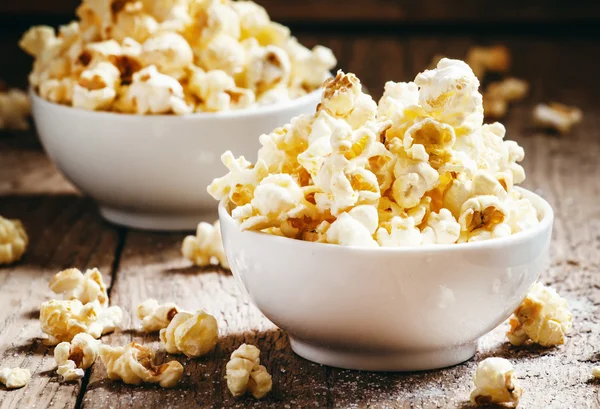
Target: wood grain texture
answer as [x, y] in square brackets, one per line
[66, 230]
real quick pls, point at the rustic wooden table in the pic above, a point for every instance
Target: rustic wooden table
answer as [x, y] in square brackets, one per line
[66, 230]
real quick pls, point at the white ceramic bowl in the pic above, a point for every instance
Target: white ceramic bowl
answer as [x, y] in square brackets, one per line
[151, 172]
[387, 309]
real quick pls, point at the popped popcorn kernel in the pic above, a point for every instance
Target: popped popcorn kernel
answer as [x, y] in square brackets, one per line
[483, 59]
[244, 373]
[495, 383]
[74, 285]
[15, 108]
[417, 168]
[14, 378]
[499, 94]
[557, 116]
[596, 372]
[13, 240]
[543, 317]
[134, 364]
[72, 359]
[151, 92]
[61, 320]
[191, 334]
[206, 247]
[156, 316]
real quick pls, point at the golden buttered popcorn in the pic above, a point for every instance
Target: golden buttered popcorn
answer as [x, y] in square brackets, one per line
[191, 334]
[543, 317]
[74, 285]
[13, 240]
[417, 168]
[14, 378]
[244, 373]
[74, 357]
[495, 383]
[156, 316]
[172, 57]
[134, 364]
[206, 247]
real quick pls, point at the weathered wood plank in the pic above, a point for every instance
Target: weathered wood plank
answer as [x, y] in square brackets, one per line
[64, 231]
[151, 267]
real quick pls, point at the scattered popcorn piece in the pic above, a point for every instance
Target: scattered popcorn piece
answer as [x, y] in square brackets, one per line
[543, 317]
[13, 240]
[206, 247]
[61, 320]
[483, 59]
[14, 378]
[15, 108]
[418, 168]
[557, 116]
[495, 383]
[244, 373]
[134, 364]
[74, 285]
[498, 94]
[74, 357]
[596, 372]
[156, 316]
[191, 334]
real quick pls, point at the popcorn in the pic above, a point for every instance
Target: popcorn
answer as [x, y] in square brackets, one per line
[495, 383]
[206, 247]
[191, 334]
[61, 320]
[74, 357]
[156, 316]
[483, 59]
[15, 107]
[209, 55]
[169, 52]
[557, 116]
[499, 94]
[244, 373]
[14, 378]
[13, 240]
[74, 285]
[418, 168]
[543, 317]
[156, 93]
[596, 372]
[134, 364]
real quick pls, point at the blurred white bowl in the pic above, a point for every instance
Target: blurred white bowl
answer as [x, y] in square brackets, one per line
[387, 309]
[151, 172]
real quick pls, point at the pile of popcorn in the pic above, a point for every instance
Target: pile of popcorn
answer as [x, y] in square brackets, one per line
[418, 168]
[172, 57]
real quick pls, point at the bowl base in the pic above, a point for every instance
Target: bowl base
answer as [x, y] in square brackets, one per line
[153, 221]
[392, 361]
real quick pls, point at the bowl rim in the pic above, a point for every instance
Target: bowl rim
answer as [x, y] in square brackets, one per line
[224, 115]
[523, 236]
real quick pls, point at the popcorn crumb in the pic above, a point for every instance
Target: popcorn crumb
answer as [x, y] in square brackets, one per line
[495, 383]
[557, 116]
[543, 317]
[74, 357]
[13, 240]
[206, 247]
[72, 284]
[134, 364]
[596, 372]
[191, 334]
[61, 320]
[244, 373]
[14, 378]
[15, 108]
[156, 316]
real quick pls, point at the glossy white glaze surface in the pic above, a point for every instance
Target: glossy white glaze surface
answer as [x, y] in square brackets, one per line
[387, 309]
[151, 172]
